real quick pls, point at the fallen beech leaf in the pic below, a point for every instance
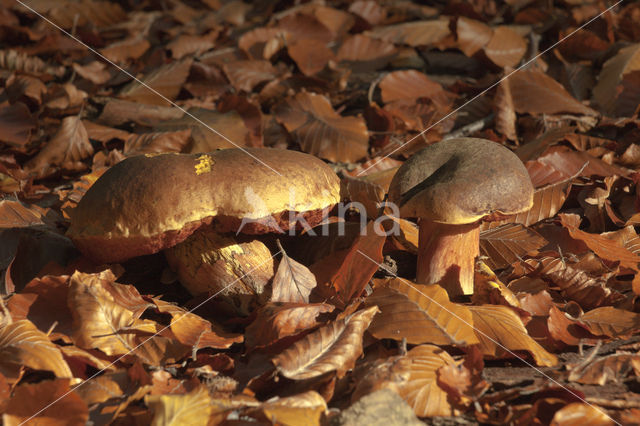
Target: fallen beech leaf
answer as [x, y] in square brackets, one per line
[262, 43]
[187, 44]
[488, 289]
[334, 347]
[418, 33]
[302, 409]
[123, 51]
[563, 328]
[472, 35]
[66, 14]
[364, 192]
[96, 72]
[500, 330]
[275, 321]
[25, 88]
[506, 47]
[362, 53]
[534, 92]
[355, 269]
[579, 414]
[166, 80]
[611, 322]
[606, 92]
[508, 243]
[245, 75]
[415, 378]
[23, 345]
[615, 368]
[21, 62]
[299, 26]
[156, 142]
[420, 314]
[292, 282]
[602, 246]
[65, 151]
[194, 331]
[505, 111]
[65, 97]
[106, 316]
[576, 163]
[16, 125]
[59, 405]
[104, 134]
[311, 56]
[193, 408]
[117, 112]
[410, 84]
[320, 130]
[16, 214]
[369, 10]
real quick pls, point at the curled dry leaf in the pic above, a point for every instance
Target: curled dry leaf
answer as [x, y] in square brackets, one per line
[534, 92]
[65, 97]
[65, 151]
[25, 88]
[578, 414]
[415, 378]
[117, 112]
[508, 243]
[262, 43]
[245, 75]
[275, 321]
[362, 53]
[613, 367]
[68, 14]
[472, 35]
[159, 85]
[23, 345]
[186, 44]
[500, 331]
[123, 51]
[293, 281]
[303, 409]
[193, 408]
[564, 329]
[369, 10]
[311, 56]
[505, 112]
[420, 314]
[418, 33]
[156, 142]
[106, 316]
[334, 347]
[320, 130]
[21, 62]
[96, 72]
[506, 47]
[16, 214]
[16, 125]
[363, 191]
[49, 402]
[611, 322]
[607, 91]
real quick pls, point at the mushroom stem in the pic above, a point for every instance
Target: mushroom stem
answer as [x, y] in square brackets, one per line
[446, 255]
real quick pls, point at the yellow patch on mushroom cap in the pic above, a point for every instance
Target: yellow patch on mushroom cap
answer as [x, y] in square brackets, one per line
[204, 164]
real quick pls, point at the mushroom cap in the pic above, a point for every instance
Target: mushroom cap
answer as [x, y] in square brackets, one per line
[461, 180]
[147, 203]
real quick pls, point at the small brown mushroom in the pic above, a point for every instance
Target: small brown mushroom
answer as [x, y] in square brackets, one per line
[193, 204]
[450, 187]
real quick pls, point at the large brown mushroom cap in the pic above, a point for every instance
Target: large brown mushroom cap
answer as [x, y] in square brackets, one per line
[147, 203]
[461, 180]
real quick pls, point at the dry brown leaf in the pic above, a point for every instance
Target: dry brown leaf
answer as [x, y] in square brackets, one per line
[577, 163]
[311, 56]
[23, 345]
[472, 35]
[15, 214]
[508, 243]
[65, 151]
[107, 316]
[302, 409]
[362, 53]
[363, 191]
[604, 247]
[196, 332]
[534, 92]
[117, 112]
[611, 322]
[293, 281]
[299, 26]
[50, 403]
[409, 84]
[68, 14]
[18, 61]
[505, 112]
[16, 125]
[320, 130]
[415, 378]
[165, 83]
[355, 269]
[156, 142]
[262, 43]
[501, 332]
[275, 321]
[615, 367]
[193, 408]
[418, 33]
[96, 72]
[189, 44]
[25, 88]
[334, 347]
[579, 414]
[506, 47]
[564, 329]
[369, 10]
[420, 314]
[607, 91]
[488, 289]
[245, 75]
[66, 98]
[123, 51]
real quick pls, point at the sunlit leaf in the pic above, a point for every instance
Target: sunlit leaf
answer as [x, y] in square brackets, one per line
[293, 281]
[508, 243]
[193, 408]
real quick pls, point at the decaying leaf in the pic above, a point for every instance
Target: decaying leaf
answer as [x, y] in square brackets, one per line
[420, 314]
[501, 332]
[334, 347]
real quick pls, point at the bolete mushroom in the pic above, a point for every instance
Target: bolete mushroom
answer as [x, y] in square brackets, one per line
[450, 187]
[193, 205]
